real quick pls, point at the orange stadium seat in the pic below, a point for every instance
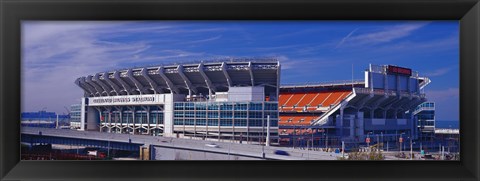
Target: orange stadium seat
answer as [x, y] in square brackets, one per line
[283, 98]
[297, 102]
[331, 99]
[300, 120]
[319, 99]
[307, 99]
[294, 100]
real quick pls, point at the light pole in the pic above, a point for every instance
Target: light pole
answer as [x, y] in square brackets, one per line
[267, 142]
[108, 149]
[311, 132]
[312, 139]
[387, 146]
[325, 137]
[400, 142]
[368, 142]
[383, 146]
[326, 141]
[402, 145]
[411, 149]
[378, 144]
[263, 151]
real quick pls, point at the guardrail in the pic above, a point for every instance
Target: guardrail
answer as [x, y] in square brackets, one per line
[446, 131]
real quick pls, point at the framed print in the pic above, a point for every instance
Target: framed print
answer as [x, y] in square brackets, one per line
[239, 90]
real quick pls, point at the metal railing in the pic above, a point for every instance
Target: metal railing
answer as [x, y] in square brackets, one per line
[175, 62]
[420, 109]
[326, 83]
[446, 131]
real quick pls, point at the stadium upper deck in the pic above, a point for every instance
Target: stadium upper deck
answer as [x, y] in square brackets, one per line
[197, 78]
[381, 103]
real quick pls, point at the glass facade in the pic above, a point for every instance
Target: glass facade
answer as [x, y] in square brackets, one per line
[425, 116]
[75, 112]
[238, 114]
[132, 115]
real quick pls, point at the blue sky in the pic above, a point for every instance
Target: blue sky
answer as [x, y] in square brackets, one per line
[55, 53]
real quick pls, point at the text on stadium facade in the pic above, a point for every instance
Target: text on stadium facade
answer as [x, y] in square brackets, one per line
[399, 70]
[126, 100]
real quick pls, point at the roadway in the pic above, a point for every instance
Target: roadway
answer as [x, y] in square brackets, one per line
[224, 147]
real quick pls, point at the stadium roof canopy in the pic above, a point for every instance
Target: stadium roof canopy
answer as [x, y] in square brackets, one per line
[184, 78]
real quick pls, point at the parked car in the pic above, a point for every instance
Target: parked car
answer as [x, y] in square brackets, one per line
[281, 152]
[212, 145]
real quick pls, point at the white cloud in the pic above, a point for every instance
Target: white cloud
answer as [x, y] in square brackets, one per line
[442, 95]
[345, 38]
[203, 40]
[55, 54]
[446, 103]
[440, 71]
[385, 35]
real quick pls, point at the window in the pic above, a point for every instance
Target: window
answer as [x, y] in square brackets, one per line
[127, 118]
[226, 106]
[201, 122]
[255, 122]
[178, 121]
[225, 122]
[200, 106]
[255, 114]
[240, 122]
[213, 114]
[178, 114]
[241, 106]
[189, 106]
[213, 106]
[201, 114]
[179, 106]
[189, 121]
[226, 114]
[156, 118]
[272, 115]
[240, 114]
[140, 118]
[189, 114]
[255, 106]
[213, 122]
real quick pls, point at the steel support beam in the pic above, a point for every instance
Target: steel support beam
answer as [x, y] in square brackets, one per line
[137, 83]
[152, 83]
[208, 82]
[187, 81]
[173, 88]
[224, 70]
[79, 84]
[250, 70]
[125, 86]
[97, 80]
[88, 86]
[112, 84]
[89, 81]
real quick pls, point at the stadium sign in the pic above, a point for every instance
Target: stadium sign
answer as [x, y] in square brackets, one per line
[127, 100]
[399, 70]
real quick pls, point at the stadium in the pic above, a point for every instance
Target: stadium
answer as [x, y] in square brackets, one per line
[234, 99]
[242, 100]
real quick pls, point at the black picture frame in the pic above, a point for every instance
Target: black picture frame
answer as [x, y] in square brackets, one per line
[12, 12]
